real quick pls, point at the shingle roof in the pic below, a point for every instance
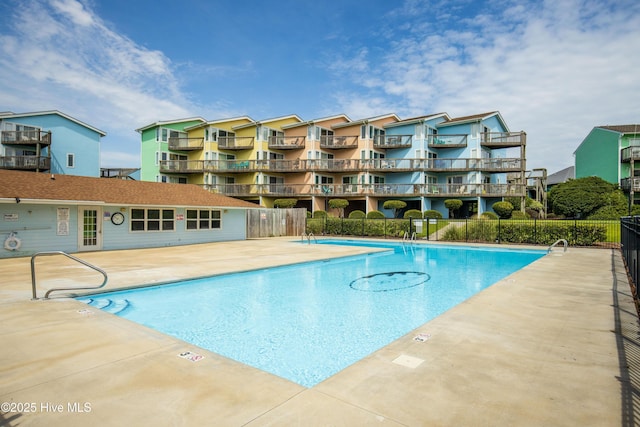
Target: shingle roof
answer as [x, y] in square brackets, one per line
[42, 187]
[561, 176]
[624, 129]
[475, 117]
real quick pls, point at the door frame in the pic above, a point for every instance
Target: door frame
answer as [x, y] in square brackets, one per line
[82, 246]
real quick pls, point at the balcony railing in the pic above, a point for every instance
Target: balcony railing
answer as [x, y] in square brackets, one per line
[376, 190]
[392, 141]
[628, 184]
[630, 153]
[32, 163]
[186, 144]
[447, 141]
[338, 142]
[386, 165]
[286, 142]
[235, 142]
[27, 137]
[503, 139]
[182, 166]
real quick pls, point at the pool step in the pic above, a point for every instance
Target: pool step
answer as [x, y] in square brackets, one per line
[109, 305]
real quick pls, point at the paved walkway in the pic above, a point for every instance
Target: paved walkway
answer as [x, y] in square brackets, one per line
[554, 344]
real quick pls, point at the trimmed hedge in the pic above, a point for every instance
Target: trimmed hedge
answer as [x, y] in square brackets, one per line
[528, 232]
[412, 213]
[358, 227]
[432, 214]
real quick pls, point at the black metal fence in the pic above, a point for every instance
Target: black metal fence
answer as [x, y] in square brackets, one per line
[583, 233]
[630, 239]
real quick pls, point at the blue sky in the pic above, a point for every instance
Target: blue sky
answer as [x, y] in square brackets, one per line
[554, 69]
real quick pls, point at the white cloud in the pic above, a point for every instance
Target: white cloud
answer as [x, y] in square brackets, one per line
[74, 10]
[553, 69]
[62, 56]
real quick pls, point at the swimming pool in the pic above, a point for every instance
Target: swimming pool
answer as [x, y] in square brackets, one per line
[306, 322]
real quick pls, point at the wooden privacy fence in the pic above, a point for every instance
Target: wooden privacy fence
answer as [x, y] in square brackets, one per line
[276, 222]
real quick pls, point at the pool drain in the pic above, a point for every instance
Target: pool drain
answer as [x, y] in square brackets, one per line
[392, 281]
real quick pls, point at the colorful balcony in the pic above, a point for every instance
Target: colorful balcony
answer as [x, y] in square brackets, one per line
[376, 190]
[27, 137]
[28, 163]
[447, 141]
[181, 166]
[235, 142]
[629, 184]
[630, 153]
[338, 142]
[186, 144]
[286, 142]
[503, 139]
[392, 141]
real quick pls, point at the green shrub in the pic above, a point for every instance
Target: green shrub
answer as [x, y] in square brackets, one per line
[284, 203]
[453, 205]
[357, 214]
[503, 209]
[339, 204]
[453, 234]
[489, 215]
[412, 213]
[315, 226]
[396, 205]
[432, 214]
[519, 215]
[319, 214]
[375, 215]
[608, 212]
[547, 233]
[482, 230]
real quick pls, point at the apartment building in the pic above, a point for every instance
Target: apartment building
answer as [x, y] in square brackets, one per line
[423, 160]
[612, 152]
[49, 141]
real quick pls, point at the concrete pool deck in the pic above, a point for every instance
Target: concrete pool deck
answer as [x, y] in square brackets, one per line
[555, 343]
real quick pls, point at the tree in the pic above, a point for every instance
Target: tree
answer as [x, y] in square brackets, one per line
[583, 196]
[284, 203]
[396, 205]
[503, 209]
[453, 205]
[339, 204]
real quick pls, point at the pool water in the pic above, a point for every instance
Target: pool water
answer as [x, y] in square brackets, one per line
[306, 322]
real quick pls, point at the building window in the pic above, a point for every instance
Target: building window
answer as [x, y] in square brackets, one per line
[152, 220]
[71, 160]
[203, 219]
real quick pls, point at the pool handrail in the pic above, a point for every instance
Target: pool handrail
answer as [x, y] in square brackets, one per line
[309, 236]
[563, 241]
[46, 295]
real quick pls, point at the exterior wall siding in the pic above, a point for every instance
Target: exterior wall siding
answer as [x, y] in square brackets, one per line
[67, 137]
[598, 155]
[373, 179]
[36, 227]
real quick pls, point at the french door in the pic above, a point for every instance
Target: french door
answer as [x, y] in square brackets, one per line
[89, 228]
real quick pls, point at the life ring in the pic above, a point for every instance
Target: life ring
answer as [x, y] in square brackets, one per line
[12, 243]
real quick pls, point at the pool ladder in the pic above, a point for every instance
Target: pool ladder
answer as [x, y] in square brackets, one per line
[308, 237]
[406, 237]
[46, 295]
[563, 241]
